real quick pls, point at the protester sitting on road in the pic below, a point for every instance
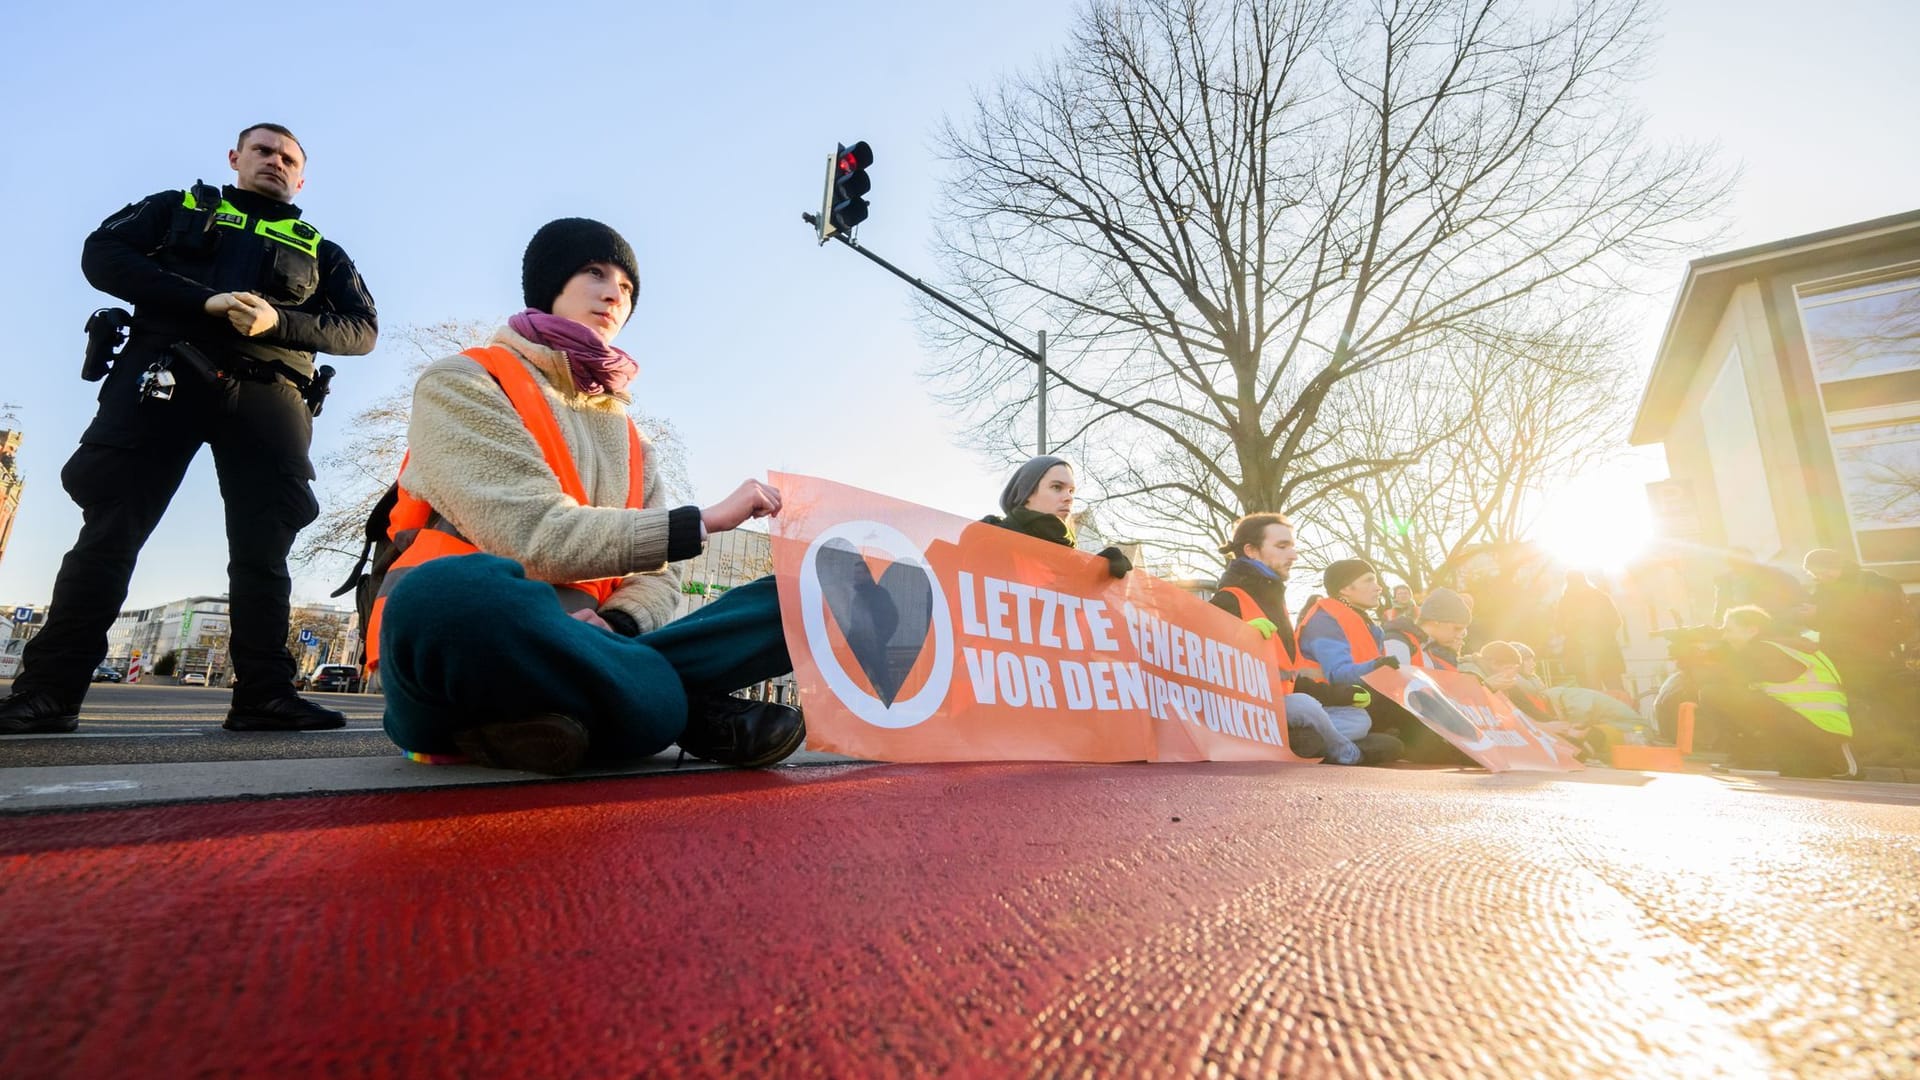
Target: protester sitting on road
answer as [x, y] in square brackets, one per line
[1607, 718]
[1038, 501]
[1339, 634]
[1339, 637]
[1433, 638]
[529, 619]
[1528, 692]
[1324, 721]
[1500, 668]
[1782, 707]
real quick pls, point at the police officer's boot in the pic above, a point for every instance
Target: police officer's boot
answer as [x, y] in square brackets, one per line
[36, 712]
[289, 713]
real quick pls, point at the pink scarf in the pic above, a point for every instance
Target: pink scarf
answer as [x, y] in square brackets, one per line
[597, 366]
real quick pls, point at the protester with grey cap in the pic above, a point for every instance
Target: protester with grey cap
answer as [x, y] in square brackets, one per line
[1038, 500]
[1443, 622]
[527, 621]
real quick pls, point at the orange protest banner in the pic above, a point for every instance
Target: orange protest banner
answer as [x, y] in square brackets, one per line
[1483, 725]
[920, 636]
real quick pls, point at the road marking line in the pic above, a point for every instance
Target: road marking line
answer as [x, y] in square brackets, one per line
[79, 787]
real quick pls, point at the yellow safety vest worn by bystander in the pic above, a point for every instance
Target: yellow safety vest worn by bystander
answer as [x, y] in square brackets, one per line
[1816, 694]
[420, 533]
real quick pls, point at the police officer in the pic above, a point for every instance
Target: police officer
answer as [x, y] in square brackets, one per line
[233, 294]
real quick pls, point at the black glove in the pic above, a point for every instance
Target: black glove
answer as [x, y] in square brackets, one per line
[1387, 661]
[1317, 690]
[1117, 563]
[621, 622]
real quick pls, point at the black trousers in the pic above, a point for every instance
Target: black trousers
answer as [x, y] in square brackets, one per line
[1764, 734]
[123, 476]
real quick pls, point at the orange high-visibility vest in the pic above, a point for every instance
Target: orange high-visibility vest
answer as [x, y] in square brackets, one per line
[1416, 653]
[1359, 637]
[1287, 661]
[421, 534]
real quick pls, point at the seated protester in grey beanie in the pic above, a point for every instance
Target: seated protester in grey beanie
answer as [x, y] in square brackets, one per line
[1038, 500]
[528, 620]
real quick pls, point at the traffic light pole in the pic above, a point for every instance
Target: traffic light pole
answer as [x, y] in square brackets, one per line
[1039, 356]
[1041, 359]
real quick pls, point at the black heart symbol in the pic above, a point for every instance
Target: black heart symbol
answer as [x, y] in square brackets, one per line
[885, 620]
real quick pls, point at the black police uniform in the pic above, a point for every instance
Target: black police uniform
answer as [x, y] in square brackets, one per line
[168, 254]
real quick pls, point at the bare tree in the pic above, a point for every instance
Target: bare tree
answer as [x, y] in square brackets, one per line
[1517, 426]
[359, 473]
[1228, 211]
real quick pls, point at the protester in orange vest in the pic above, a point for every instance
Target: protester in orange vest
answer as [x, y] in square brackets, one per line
[1338, 633]
[1323, 721]
[1433, 640]
[529, 617]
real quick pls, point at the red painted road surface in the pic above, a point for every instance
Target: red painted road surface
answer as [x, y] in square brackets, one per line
[976, 920]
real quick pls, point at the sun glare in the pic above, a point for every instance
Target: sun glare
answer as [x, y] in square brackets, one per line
[1596, 522]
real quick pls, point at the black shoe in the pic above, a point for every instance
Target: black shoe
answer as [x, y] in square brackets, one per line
[1306, 742]
[290, 713]
[549, 744]
[735, 731]
[1379, 748]
[34, 712]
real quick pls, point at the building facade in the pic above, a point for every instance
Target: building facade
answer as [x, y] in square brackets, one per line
[196, 629]
[1786, 393]
[11, 484]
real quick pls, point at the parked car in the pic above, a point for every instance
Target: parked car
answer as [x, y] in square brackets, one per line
[194, 678]
[337, 678]
[106, 674]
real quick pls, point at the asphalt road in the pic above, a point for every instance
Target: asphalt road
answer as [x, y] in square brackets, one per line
[149, 724]
[983, 920]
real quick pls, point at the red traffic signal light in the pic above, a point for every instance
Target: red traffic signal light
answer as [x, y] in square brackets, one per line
[846, 201]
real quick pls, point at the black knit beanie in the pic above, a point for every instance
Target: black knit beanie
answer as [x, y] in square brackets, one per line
[1341, 574]
[560, 249]
[1026, 480]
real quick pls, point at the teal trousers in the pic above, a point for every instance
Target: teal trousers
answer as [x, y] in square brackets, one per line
[468, 640]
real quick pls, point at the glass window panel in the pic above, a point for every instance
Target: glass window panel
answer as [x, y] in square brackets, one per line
[1862, 331]
[1880, 471]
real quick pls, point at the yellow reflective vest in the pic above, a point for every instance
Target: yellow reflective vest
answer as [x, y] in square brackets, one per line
[292, 232]
[1816, 694]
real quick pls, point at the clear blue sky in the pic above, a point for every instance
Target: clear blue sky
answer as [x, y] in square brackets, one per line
[441, 135]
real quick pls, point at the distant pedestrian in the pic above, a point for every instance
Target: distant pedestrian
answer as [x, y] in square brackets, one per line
[1590, 626]
[1861, 618]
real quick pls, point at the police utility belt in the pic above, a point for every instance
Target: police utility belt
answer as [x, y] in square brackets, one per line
[202, 216]
[109, 328]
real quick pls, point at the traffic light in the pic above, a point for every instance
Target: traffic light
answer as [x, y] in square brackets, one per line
[844, 204]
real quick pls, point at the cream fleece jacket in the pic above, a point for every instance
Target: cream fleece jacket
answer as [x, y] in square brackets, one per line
[472, 459]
